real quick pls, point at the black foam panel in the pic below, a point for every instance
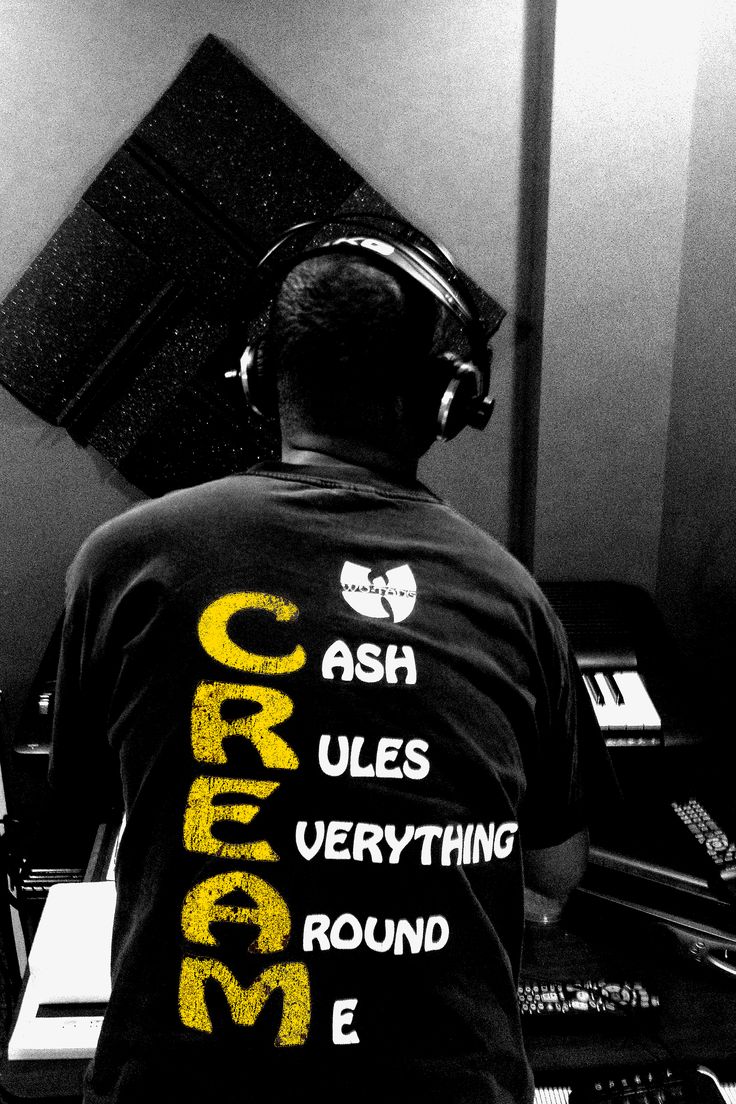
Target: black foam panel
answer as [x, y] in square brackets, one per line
[122, 328]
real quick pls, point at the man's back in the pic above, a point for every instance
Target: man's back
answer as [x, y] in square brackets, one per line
[334, 704]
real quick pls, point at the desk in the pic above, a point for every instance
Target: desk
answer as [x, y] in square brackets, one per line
[696, 1021]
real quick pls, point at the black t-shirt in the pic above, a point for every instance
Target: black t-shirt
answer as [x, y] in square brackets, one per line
[334, 712]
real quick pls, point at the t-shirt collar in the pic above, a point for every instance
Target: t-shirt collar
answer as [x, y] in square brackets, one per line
[346, 475]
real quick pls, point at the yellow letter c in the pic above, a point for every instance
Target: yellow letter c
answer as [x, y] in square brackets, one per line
[213, 635]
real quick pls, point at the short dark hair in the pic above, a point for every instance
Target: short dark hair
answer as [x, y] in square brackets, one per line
[342, 330]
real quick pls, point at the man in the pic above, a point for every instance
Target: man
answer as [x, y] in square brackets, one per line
[337, 714]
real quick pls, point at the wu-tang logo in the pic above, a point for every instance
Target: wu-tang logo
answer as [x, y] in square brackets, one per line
[391, 595]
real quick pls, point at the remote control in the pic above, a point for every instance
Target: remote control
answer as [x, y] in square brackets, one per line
[572, 1001]
[717, 849]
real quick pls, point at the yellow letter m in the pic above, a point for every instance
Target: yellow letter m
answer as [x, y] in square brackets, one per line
[291, 978]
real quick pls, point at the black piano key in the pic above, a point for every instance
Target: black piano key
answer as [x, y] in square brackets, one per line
[594, 689]
[614, 688]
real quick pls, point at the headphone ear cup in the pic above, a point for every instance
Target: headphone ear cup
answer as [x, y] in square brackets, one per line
[459, 398]
[258, 388]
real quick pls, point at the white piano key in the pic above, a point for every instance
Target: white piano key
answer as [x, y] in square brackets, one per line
[594, 694]
[640, 706]
[610, 714]
[601, 707]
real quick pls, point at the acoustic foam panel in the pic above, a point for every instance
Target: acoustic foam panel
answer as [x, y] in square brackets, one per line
[123, 327]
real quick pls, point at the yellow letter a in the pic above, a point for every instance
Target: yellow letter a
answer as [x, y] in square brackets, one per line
[202, 907]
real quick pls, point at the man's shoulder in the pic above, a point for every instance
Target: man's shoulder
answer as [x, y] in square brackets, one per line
[151, 526]
[503, 583]
[485, 555]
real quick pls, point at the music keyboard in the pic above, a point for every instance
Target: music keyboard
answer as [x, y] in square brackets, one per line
[633, 672]
[622, 704]
[560, 1094]
[69, 983]
[555, 1094]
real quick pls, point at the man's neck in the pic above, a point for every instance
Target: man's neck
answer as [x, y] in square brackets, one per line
[347, 455]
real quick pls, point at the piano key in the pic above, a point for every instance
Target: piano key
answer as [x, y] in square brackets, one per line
[603, 703]
[610, 715]
[614, 688]
[636, 696]
[595, 695]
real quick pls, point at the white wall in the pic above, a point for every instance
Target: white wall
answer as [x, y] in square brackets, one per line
[697, 572]
[622, 117]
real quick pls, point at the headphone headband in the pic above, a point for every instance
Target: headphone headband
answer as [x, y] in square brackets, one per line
[422, 260]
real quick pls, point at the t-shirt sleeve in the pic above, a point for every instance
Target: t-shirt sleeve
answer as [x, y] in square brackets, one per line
[83, 774]
[570, 770]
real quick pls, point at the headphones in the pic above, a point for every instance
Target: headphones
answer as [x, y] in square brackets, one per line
[466, 382]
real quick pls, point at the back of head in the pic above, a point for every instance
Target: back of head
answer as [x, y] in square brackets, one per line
[349, 341]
